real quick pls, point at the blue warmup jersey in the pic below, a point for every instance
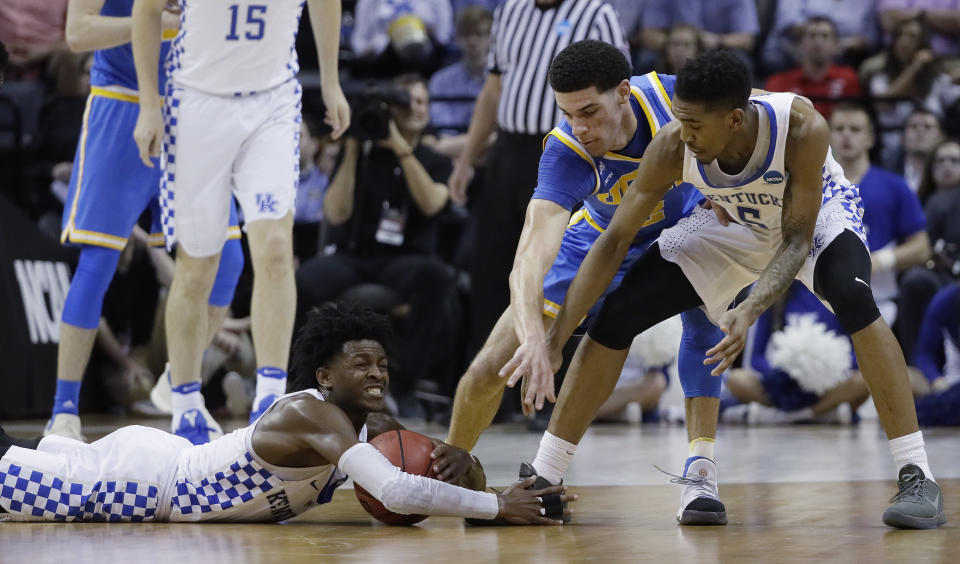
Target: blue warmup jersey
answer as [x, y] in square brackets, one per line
[109, 186]
[571, 177]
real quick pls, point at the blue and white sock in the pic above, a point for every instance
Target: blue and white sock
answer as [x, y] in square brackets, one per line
[184, 398]
[270, 381]
[67, 397]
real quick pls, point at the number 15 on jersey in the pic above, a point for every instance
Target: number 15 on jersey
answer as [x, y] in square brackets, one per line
[254, 26]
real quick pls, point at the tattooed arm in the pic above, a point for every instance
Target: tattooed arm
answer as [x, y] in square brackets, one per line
[807, 145]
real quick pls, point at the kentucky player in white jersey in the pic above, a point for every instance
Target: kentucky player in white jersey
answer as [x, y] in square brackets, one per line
[289, 461]
[782, 210]
[230, 124]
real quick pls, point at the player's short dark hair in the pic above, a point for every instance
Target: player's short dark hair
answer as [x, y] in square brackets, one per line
[327, 328]
[717, 78]
[588, 63]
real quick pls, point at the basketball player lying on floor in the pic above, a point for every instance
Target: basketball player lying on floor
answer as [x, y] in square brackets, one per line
[289, 460]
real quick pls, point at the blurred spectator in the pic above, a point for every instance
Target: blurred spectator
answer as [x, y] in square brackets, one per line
[397, 36]
[387, 196]
[454, 89]
[317, 159]
[518, 103]
[893, 217]
[32, 29]
[682, 43]
[942, 16]
[921, 133]
[818, 77]
[940, 191]
[938, 358]
[905, 73]
[856, 27]
[775, 387]
[4, 61]
[731, 24]
[460, 5]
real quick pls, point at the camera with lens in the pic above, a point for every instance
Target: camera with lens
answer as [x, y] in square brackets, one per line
[370, 112]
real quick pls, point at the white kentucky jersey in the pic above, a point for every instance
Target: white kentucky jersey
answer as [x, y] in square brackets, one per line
[141, 474]
[225, 480]
[754, 196]
[235, 48]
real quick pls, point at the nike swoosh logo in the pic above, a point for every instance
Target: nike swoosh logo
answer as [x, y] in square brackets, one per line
[857, 278]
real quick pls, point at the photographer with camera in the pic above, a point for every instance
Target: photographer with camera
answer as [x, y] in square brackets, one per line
[386, 193]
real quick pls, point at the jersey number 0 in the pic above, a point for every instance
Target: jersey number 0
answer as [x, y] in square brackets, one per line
[254, 26]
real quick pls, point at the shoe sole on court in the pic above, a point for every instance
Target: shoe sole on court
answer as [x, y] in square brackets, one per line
[692, 517]
[899, 520]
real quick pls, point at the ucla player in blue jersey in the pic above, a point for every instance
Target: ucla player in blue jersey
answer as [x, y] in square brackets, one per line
[109, 189]
[765, 161]
[589, 159]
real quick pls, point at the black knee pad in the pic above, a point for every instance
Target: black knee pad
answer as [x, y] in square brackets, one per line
[842, 276]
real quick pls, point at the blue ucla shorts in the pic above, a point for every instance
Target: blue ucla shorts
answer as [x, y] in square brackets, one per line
[109, 186]
[577, 240]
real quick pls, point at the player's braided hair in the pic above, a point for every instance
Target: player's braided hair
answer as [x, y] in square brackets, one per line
[327, 328]
[716, 78]
[588, 63]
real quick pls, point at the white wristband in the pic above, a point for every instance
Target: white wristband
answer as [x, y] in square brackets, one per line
[884, 259]
[405, 493]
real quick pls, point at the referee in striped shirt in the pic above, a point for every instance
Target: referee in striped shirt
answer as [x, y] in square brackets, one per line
[516, 100]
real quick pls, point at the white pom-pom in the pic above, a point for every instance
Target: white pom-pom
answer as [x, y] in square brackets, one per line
[658, 345]
[813, 355]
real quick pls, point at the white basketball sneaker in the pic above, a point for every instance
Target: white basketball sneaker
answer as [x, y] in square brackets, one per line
[64, 425]
[161, 392]
[700, 501]
[197, 426]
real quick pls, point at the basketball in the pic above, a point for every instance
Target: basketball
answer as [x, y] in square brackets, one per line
[410, 452]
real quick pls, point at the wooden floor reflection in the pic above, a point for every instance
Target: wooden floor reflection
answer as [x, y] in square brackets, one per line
[792, 522]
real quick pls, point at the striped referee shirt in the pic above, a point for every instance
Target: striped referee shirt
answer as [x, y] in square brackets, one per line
[524, 40]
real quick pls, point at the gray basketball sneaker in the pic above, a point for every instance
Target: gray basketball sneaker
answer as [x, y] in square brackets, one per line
[918, 503]
[700, 500]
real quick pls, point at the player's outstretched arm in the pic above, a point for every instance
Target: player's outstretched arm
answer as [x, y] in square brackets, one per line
[543, 228]
[146, 52]
[87, 30]
[326, 429]
[325, 21]
[806, 151]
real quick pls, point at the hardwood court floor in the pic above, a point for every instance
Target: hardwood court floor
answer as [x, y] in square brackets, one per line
[793, 494]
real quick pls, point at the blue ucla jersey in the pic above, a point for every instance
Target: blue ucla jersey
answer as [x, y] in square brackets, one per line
[114, 66]
[569, 175]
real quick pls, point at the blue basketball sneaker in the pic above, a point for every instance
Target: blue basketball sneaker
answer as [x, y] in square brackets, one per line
[197, 426]
[261, 405]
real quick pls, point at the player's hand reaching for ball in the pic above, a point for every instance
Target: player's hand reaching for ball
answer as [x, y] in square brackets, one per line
[735, 323]
[533, 363]
[450, 464]
[148, 133]
[521, 506]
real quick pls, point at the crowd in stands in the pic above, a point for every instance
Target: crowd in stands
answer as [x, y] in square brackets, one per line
[375, 221]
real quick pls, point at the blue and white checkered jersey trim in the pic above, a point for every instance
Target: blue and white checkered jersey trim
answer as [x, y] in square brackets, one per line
[46, 497]
[849, 196]
[244, 480]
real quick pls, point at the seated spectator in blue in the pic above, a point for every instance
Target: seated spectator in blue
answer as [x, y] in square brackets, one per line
[798, 365]
[396, 36]
[731, 24]
[893, 217]
[454, 89]
[317, 159]
[856, 25]
[385, 197]
[938, 358]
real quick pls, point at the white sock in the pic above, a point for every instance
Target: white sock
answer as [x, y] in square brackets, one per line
[553, 457]
[702, 446]
[270, 380]
[184, 398]
[908, 449]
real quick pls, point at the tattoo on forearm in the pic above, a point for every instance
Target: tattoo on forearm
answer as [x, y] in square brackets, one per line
[783, 267]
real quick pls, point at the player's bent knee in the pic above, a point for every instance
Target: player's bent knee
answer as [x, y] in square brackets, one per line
[852, 302]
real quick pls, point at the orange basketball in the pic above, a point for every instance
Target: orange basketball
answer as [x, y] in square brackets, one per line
[408, 451]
